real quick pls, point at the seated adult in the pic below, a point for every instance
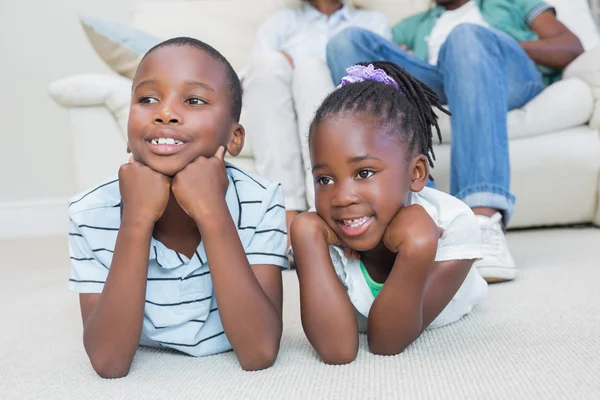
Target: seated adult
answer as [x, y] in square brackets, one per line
[286, 81]
[483, 57]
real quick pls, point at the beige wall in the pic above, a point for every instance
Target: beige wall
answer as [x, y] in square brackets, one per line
[41, 41]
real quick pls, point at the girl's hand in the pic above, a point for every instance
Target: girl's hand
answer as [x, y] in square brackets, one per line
[145, 192]
[411, 226]
[310, 224]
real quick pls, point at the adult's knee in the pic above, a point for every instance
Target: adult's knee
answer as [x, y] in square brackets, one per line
[344, 41]
[468, 33]
[466, 44]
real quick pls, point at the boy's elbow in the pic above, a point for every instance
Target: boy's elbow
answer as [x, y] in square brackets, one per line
[109, 369]
[259, 359]
[108, 366]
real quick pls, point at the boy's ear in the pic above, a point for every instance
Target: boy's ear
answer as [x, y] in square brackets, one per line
[236, 141]
[419, 171]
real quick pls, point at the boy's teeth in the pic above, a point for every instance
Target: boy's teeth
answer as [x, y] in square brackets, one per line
[169, 141]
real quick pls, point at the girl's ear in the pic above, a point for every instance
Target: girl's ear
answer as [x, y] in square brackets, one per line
[236, 140]
[419, 173]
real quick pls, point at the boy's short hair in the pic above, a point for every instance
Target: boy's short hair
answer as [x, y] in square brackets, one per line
[234, 81]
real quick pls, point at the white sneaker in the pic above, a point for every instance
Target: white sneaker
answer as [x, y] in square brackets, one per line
[497, 265]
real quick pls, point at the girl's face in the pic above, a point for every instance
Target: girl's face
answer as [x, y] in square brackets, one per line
[362, 178]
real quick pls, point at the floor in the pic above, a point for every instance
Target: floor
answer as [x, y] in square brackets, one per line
[534, 338]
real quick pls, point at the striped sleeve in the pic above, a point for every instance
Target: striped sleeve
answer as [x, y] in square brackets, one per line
[268, 244]
[533, 8]
[88, 273]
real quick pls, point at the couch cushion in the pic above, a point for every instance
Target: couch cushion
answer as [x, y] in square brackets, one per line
[120, 46]
[565, 104]
[228, 25]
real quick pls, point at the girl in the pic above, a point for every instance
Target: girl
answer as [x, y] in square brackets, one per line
[371, 150]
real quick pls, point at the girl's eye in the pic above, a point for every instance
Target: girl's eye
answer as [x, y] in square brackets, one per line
[195, 101]
[365, 173]
[148, 100]
[324, 180]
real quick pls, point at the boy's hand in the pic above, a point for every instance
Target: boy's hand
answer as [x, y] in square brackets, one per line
[411, 228]
[145, 192]
[202, 185]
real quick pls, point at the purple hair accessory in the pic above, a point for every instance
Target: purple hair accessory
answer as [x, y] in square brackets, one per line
[360, 73]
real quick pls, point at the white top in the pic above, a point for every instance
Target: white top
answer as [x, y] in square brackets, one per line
[468, 13]
[462, 241]
[181, 310]
[304, 32]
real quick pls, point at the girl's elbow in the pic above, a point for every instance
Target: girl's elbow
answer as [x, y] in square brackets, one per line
[383, 350]
[340, 357]
[381, 347]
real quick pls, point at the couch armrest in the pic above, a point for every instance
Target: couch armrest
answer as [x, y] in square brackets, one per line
[595, 120]
[95, 90]
[99, 147]
[587, 68]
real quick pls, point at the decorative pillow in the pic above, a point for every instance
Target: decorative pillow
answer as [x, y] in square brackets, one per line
[120, 46]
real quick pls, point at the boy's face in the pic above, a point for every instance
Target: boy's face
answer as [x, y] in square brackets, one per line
[180, 109]
[362, 178]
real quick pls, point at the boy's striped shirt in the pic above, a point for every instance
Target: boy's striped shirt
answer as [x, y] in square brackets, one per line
[181, 310]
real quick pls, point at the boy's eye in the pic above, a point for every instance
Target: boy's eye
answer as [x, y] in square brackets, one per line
[195, 101]
[148, 100]
[365, 173]
[324, 180]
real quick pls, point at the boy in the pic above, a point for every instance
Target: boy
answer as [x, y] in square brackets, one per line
[161, 257]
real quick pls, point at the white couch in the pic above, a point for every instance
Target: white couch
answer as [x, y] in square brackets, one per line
[554, 140]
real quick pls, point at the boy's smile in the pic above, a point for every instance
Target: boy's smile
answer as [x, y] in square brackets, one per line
[165, 142]
[180, 108]
[362, 178]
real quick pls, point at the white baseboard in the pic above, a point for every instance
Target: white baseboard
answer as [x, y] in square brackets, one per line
[35, 218]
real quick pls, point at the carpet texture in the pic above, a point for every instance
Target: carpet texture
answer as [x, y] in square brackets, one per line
[535, 338]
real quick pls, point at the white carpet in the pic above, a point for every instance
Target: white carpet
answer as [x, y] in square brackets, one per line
[535, 338]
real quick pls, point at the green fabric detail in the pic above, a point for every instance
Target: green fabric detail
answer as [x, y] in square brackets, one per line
[509, 16]
[374, 286]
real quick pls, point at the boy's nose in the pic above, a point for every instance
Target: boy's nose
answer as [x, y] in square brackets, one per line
[167, 116]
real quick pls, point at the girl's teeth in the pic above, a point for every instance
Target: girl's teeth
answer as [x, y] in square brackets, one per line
[355, 223]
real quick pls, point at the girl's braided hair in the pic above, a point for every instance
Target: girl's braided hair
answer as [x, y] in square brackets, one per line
[406, 113]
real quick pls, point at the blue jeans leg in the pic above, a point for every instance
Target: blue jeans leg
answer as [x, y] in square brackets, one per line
[485, 73]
